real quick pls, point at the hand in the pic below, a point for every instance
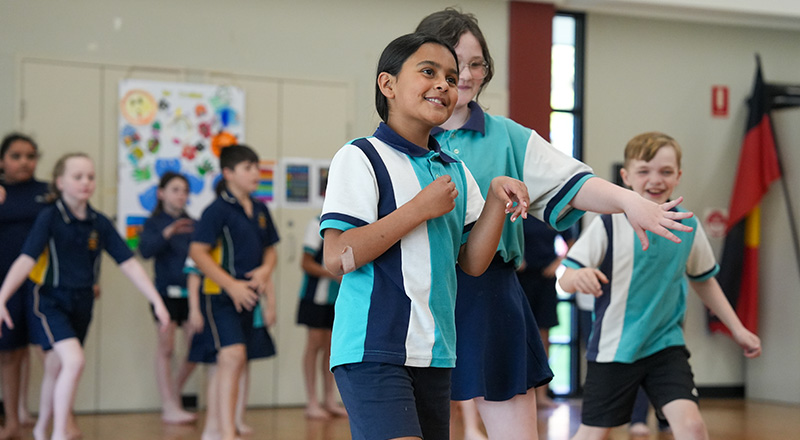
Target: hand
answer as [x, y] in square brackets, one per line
[438, 198]
[259, 279]
[5, 318]
[196, 321]
[589, 281]
[2, 194]
[179, 226]
[242, 295]
[162, 314]
[749, 342]
[550, 270]
[514, 195]
[645, 215]
[96, 291]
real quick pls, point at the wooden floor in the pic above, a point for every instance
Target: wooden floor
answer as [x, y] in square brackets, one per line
[726, 420]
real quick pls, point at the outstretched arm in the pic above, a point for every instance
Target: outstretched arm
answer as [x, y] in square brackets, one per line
[584, 280]
[348, 250]
[714, 298]
[602, 196]
[16, 275]
[505, 196]
[135, 272]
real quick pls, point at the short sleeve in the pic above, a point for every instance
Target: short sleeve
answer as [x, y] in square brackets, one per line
[209, 228]
[553, 179]
[351, 197]
[312, 240]
[114, 244]
[701, 264]
[39, 235]
[590, 249]
[475, 202]
[270, 233]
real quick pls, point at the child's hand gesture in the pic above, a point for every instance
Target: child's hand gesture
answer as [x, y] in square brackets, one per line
[196, 320]
[438, 198]
[749, 342]
[645, 215]
[162, 314]
[588, 280]
[513, 194]
[259, 279]
[242, 295]
[179, 226]
[5, 318]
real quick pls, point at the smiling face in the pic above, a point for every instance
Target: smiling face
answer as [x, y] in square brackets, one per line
[655, 179]
[19, 162]
[423, 94]
[470, 75]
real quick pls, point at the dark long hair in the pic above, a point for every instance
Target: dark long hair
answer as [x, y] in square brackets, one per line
[165, 179]
[392, 59]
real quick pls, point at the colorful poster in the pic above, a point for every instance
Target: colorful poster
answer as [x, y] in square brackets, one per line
[166, 126]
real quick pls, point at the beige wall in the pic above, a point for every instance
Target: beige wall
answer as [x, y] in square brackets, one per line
[641, 75]
[657, 75]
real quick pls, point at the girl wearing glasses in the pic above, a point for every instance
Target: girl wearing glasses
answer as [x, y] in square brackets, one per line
[500, 356]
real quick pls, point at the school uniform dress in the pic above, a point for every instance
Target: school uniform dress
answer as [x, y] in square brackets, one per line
[238, 243]
[317, 295]
[500, 352]
[67, 250]
[398, 309]
[23, 203]
[170, 256]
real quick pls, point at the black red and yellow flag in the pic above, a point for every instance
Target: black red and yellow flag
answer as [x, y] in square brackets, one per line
[758, 168]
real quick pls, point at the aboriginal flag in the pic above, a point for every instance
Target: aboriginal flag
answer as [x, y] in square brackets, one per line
[758, 168]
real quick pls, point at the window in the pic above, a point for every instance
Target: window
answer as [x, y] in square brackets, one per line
[566, 127]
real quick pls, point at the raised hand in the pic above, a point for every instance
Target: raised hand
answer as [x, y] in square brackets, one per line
[645, 215]
[438, 198]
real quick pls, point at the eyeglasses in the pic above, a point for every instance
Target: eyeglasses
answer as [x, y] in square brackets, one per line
[478, 69]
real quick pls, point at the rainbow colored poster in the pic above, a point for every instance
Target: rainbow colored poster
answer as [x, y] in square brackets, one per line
[167, 126]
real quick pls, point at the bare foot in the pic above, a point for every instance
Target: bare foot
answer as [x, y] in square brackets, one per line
[178, 417]
[639, 430]
[317, 412]
[543, 401]
[26, 419]
[39, 432]
[10, 433]
[244, 429]
[336, 410]
[73, 432]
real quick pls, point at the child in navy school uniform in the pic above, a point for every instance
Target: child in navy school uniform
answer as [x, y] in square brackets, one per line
[21, 200]
[398, 214]
[166, 236]
[233, 247]
[61, 254]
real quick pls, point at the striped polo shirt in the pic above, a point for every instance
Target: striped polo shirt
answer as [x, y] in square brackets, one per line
[399, 308]
[642, 307]
[320, 291]
[492, 146]
[237, 241]
[68, 250]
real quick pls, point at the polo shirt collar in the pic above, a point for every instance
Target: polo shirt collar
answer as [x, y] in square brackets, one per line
[476, 121]
[399, 143]
[69, 217]
[230, 198]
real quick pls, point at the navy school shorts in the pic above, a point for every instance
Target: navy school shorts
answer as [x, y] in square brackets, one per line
[60, 313]
[388, 401]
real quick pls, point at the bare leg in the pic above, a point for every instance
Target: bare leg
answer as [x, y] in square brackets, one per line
[231, 361]
[329, 383]
[211, 428]
[186, 368]
[172, 411]
[684, 418]
[70, 353]
[52, 367]
[10, 364]
[472, 420]
[314, 344]
[513, 419]
[241, 402]
[25, 417]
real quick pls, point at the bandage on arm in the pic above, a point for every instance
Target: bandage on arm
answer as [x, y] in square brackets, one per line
[348, 261]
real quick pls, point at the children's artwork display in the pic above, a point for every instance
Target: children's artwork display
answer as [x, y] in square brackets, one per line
[180, 127]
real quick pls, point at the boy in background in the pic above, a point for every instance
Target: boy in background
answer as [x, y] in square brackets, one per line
[233, 247]
[637, 338]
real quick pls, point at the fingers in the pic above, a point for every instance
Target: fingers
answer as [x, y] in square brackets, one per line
[669, 205]
[642, 234]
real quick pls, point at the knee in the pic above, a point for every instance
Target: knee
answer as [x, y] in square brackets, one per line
[232, 357]
[695, 428]
[75, 362]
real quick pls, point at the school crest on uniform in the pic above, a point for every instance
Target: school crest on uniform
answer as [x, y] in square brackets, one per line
[262, 220]
[94, 240]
